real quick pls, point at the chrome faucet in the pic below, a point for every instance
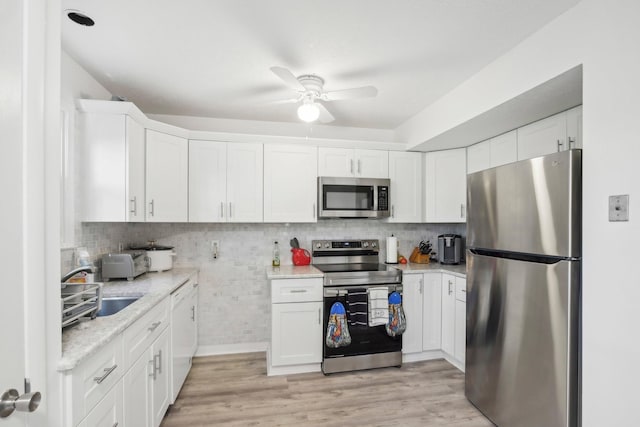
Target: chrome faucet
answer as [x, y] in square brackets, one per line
[69, 275]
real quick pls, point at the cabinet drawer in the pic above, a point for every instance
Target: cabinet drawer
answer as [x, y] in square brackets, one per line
[139, 336]
[109, 412]
[296, 290]
[95, 377]
[461, 289]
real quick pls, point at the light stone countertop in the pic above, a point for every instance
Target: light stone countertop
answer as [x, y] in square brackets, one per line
[85, 339]
[433, 267]
[293, 272]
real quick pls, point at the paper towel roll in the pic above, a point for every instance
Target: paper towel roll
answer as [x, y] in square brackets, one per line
[392, 250]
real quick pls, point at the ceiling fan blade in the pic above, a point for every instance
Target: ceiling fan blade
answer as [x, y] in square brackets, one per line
[325, 115]
[288, 77]
[284, 101]
[356, 92]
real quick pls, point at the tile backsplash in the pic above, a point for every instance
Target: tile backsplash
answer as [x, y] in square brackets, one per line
[234, 291]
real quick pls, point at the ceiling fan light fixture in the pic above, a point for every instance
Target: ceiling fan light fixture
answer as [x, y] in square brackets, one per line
[308, 112]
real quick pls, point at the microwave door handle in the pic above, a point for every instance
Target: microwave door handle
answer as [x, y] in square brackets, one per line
[374, 198]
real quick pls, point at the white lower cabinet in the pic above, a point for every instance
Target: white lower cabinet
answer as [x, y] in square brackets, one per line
[432, 312]
[296, 322]
[454, 318]
[412, 288]
[109, 411]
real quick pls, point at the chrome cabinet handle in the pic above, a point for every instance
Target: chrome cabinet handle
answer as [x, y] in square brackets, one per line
[351, 162]
[461, 210]
[358, 166]
[314, 211]
[571, 141]
[154, 326]
[319, 317]
[298, 291]
[152, 362]
[159, 367]
[392, 211]
[450, 283]
[152, 210]
[107, 372]
[221, 209]
[421, 286]
[193, 313]
[230, 211]
[559, 145]
[134, 203]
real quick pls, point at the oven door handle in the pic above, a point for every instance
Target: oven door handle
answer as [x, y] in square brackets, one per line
[344, 290]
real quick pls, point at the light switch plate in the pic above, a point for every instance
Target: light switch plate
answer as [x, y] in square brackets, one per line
[619, 208]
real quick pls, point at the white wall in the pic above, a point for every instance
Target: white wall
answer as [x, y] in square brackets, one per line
[603, 36]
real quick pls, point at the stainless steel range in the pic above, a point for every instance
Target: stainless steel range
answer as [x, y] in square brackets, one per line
[352, 267]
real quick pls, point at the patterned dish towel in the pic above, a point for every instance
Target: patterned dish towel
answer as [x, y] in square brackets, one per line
[397, 322]
[378, 306]
[337, 329]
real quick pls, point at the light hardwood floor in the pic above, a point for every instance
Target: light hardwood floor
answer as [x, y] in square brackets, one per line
[234, 390]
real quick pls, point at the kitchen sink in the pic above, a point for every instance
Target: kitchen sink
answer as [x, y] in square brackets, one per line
[112, 305]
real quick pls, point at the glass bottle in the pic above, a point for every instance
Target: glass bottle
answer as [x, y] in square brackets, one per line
[276, 255]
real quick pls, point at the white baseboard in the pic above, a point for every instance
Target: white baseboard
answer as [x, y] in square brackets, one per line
[293, 369]
[425, 355]
[214, 350]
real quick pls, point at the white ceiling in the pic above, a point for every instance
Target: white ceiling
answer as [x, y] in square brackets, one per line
[211, 58]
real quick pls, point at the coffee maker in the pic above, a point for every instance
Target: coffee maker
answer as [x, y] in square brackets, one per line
[449, 248]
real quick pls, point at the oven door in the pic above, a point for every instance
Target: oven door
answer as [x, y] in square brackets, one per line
[364, 339]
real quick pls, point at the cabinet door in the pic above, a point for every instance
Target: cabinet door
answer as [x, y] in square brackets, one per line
[446, 185]
[371, 163]
[182, 336]
[479, 157]
[448, 313]
[574, 127]
[166, 177]
[542, 137]
[336, 162]
[290, 183]
[109, 411]
[432, 311]
[137, 393]
[504, 149]
[161, 384]
[296, 333]
[460, 324]
[207, 181]
[135, 171]
[412, 285]
[244, 182]
[405, 172]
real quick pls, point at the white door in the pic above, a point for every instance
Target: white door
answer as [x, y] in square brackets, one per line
[28, 190]
[290, 183]
[479, 157]
[545, 136]
[296, 333]
[135, 170]
[336, 162]
[448, 313]
[167, 177]
[244, 182]
[412, 305]
[207, 181]
[574, 127]
[504, 149]
[446, 185]
[432, 311]
[161, 384]
[137, 396]
[371, 163]
[405, 172]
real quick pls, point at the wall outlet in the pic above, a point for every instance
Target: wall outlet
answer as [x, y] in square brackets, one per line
[619, 208]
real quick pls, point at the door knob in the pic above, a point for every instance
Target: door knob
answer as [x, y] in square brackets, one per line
[11, 401]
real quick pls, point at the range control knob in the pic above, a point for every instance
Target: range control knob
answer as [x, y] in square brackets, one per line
[374, 244]
[318, 245]
[365, 244]
[327, 245]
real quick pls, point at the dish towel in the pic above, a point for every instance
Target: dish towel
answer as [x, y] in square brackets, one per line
[378, 306]
[337, 329]
[397, 322]
[357, 304]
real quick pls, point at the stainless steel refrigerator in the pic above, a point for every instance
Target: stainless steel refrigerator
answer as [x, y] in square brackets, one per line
[523, 291]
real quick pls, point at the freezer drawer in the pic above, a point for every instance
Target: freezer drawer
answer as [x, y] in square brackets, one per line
[522, 359]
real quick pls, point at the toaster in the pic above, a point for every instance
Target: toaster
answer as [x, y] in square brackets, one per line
[124, 265]
[449, 248]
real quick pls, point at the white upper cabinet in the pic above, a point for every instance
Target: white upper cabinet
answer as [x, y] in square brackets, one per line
[446, 186]
[290, 183]
[542, 137]
[225, 182]
[346, 162]
[574, 127]
[493, 152]
[167, 177]
[405, 172]
[112, 162]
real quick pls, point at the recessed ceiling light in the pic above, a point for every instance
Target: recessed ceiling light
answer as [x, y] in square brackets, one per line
[80, 18]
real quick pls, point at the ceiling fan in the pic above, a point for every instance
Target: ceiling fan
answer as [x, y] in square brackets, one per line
[310, 92]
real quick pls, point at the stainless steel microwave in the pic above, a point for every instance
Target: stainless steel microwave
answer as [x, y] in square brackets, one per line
[353, 197]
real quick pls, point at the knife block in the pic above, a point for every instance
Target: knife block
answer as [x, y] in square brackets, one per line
[419, 258]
